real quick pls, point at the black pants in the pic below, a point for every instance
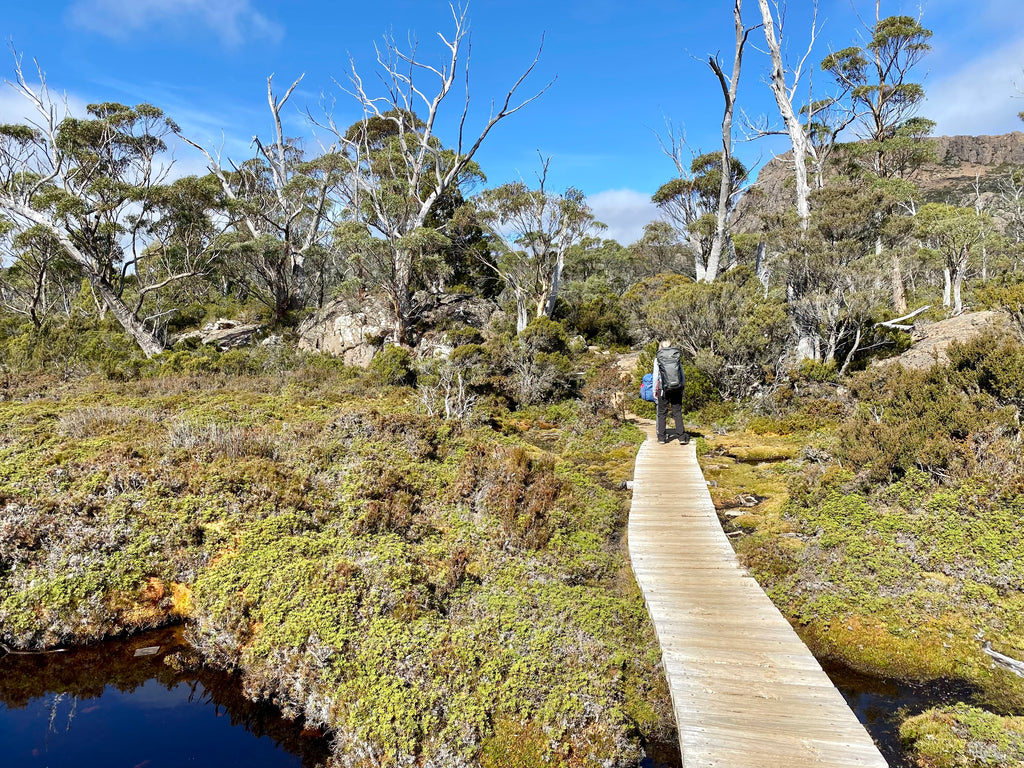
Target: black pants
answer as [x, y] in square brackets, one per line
[673, 400]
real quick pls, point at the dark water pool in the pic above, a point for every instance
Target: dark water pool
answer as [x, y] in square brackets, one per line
[106, 707]
[881, 704]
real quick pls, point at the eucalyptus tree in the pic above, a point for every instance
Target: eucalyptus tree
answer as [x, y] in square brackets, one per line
[283, 207]
[1010, 202]
[36, 279]
[532, 232]
[834, 270]
[877, 77]
[401, 182]
[951, 232]
[441, 247]
[660, 249]
[691, 203]
[96, 185]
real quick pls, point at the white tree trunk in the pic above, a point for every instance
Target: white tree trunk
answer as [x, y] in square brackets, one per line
[783, 99]
[522, 311]
[761, 266]
[899, 295]
[730, 87]
[699, 264]
[556, 284]
[947, 287]
[959, 271]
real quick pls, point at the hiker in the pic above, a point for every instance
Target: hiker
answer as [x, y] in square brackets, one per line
[668, 391]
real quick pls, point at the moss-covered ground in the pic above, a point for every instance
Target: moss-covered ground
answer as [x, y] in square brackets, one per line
[430, 592]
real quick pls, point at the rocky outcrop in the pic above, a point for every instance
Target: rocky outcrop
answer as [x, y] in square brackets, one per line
[445, 309]
[346, 328]
[224, 334]
[1007, 149]
[932, 342]
[355, 329]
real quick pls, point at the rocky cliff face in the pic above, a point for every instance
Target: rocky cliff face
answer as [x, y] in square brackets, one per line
[962, 160]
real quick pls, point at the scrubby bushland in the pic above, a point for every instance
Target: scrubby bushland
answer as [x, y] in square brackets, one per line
[730, 330]
[426, 590]
[905, 548]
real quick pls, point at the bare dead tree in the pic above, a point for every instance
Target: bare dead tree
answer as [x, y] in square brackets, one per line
[730, 86]
[785, 83]
[284, 205]
[394, 187]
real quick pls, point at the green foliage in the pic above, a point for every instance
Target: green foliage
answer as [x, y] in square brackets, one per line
[961, 736]
[898, 546]
[392, 366]
[1007, 296]
[514, 745]
[594, 311]
[532, 367]
[406, 583]
[933, 420]
[806, 415]
[820, 372]
[76, 347]
[728, 328]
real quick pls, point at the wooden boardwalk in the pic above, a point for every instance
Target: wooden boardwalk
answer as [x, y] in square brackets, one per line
[746, 691]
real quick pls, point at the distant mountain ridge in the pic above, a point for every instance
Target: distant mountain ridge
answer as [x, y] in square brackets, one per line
[962, 161]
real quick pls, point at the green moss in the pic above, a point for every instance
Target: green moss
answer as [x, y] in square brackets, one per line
[964, 737]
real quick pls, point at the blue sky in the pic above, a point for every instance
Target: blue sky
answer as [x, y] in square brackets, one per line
[622, 70]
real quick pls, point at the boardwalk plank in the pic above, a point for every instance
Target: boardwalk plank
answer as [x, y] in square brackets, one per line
[745, 690]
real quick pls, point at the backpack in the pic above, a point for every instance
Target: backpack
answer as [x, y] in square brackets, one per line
[647, 388]
[670, 369]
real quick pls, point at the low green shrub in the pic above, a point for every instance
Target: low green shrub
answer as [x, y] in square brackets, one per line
[964, 737]
[392, 366]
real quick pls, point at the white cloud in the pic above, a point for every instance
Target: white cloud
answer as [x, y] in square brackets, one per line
[982, 97]
[234, 21]
[625, 211]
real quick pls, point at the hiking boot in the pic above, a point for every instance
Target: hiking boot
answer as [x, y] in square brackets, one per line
[662, 440]
[684, 439]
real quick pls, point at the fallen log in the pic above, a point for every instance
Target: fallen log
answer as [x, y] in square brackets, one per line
[1006, 662]
[896, 322]
[7, 649]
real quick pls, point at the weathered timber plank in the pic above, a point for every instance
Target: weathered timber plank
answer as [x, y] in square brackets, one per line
[746, 692]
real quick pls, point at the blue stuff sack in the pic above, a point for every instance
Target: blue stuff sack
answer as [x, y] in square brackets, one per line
[647, 388]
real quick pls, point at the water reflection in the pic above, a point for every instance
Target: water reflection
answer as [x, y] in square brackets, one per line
[115, 704]
[106, 706]
[881, 704]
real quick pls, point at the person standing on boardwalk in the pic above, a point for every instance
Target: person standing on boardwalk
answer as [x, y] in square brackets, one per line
[668, 391]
